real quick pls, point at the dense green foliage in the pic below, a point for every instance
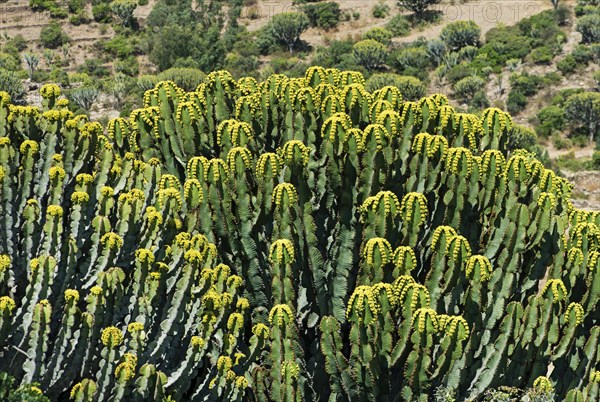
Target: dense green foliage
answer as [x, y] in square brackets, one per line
[294, 239]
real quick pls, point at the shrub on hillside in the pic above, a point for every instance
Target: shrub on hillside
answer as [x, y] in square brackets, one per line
[542, 55]
[398, 25]
[567, 65]
[459, 34]
[582, 110]
[416, 58]
[381, 35]
[521, 137]
[467, 87]
[102, 13]
[323, 15]
[551, 119]
[411, 88]
[370, 54]
[186, 78]
[380, 10]
[52, 36]
[12, 84]
[589, 28]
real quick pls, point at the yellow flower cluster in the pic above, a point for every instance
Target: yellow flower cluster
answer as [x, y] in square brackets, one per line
[282, 252]
[414, 203]
[111, 337]
[135, 327]
[96, 290]
[50, 91]
[425, 318]
[543, 384]
[54, 210]
[29, 147]
[455, 324]
[387, 290]
[336, 123]
[377, 246]
[192, 186]
[577, 309]
[479, 265]
[459, 158]
[284, 193]
[82, 386]
[282, 312]
[62, 103]
[239, 153]
[235, 322]
[144, 255]
[375, 132]
[546, 200]
[7, 304]
[290, 368]
[293, 149]
[153, 216]
[57, 172]
[458, 246]
[419, 295]
[84, 178]
[237, 133]
[197, 342]
[261, 330]
[71, 295]
[224, 363]
[4, 262]
[216, 170]
[356, 304]
[447, 231]
[193, 257]
[125, 371]
[79, 197]
[56, 115]
[268, 162]
[557, 288]
[112, 241]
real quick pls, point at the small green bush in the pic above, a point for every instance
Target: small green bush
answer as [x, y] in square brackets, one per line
[323, 15]
[520, 137]
[412, 57]
[567, 65]
[596, 160]
[582, 54]
[76, 6]
[458, 72]
[380, 10]
[381, 35]
[542, 55]
[411, 88]
[102, 13]
[589, 28]
[370, 54]
[94, 68]
[398, 25]
[560, 142]
[596, 77]
[186, 78]
[459, 34]
[11, 83]
[52, 36]
[467, 87]
[551, 120]
[516, 101]
[10, 391]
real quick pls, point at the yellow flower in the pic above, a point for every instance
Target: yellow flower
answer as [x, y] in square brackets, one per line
[111, 337]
